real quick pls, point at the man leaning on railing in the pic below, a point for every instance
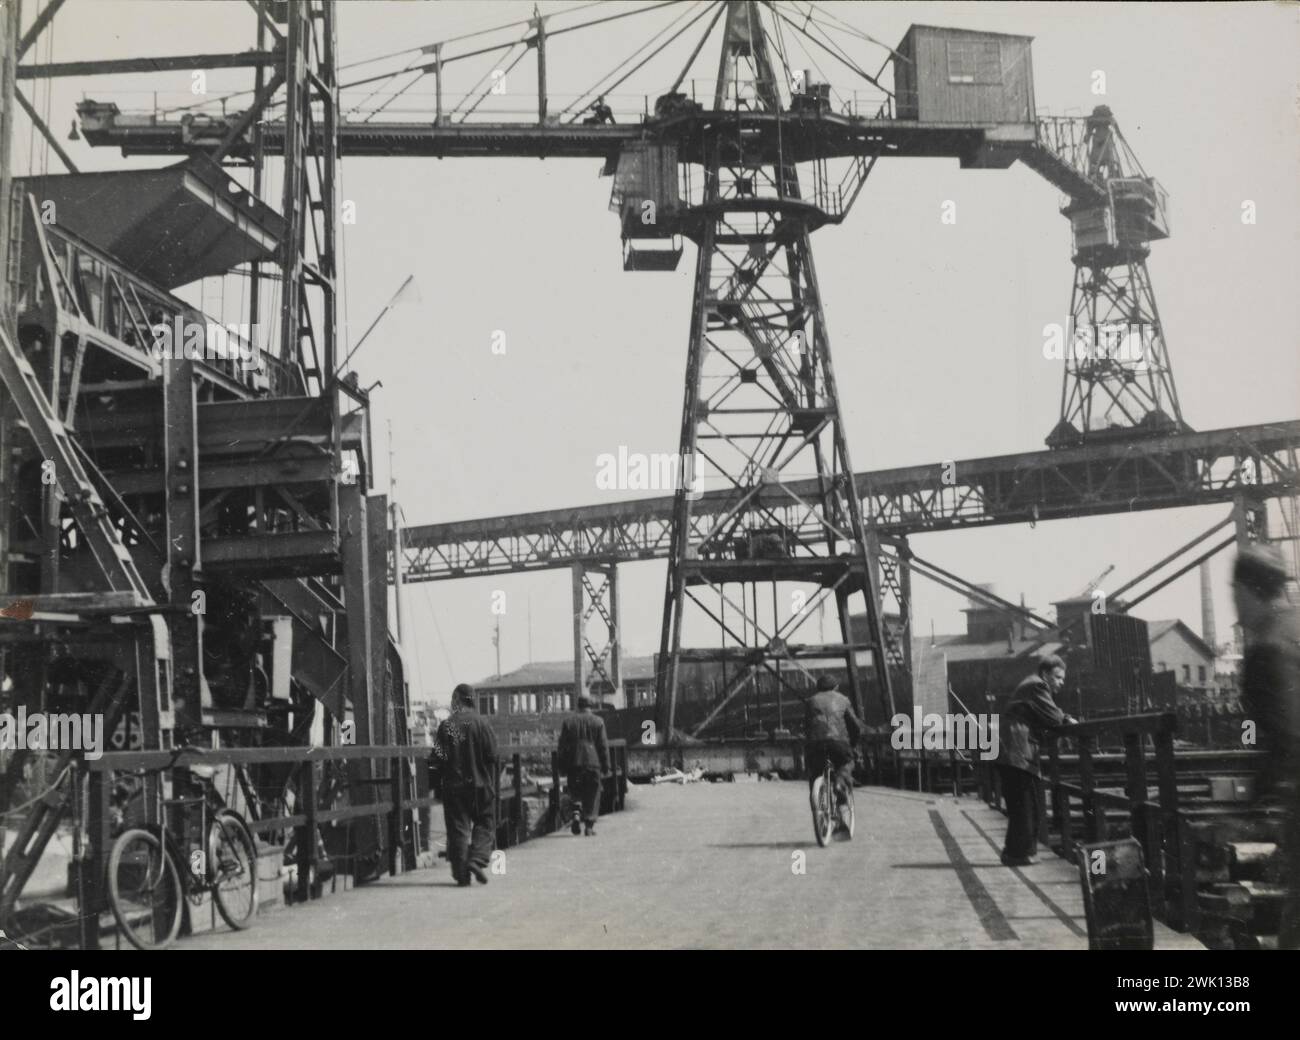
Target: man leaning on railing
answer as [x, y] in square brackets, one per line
[1028, 716]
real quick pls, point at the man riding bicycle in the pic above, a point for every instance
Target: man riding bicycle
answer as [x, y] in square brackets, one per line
[831, 731]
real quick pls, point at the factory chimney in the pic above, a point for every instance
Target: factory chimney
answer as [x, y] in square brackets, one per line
[1207, 609]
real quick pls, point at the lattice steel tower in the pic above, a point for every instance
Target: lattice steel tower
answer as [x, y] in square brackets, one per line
[761, 405]
[1117, 371]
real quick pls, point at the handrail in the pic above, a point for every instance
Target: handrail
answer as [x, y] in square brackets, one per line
[139, 296]
[392, 806]
[112, 761]
[1158, 824]
[1157, 821]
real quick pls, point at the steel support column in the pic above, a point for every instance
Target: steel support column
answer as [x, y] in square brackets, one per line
[895, 584]
[597, 665]
[356, 598]
[8, 62]
[308, 320]
[1117, 370]
[1134, 389]
[363, 689]
[183, 566]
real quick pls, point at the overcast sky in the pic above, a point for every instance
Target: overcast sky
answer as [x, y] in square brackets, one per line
[936, 329]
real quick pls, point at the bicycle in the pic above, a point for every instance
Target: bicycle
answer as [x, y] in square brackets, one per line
[149, 878]
[824, 807]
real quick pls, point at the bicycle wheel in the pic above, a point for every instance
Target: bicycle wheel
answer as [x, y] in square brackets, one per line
[144, 889]
[822, 810]
[232, 862]
[847, 830]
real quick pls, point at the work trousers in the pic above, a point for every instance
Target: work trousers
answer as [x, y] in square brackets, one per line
[470, 815]
[1289, 926]
[584, 786]
[1022, 792]
[817, 752]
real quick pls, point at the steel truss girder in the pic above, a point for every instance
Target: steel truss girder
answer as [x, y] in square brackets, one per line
[1122, 476]
[827, 135]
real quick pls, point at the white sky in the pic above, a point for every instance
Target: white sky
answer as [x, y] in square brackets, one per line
[936, 329]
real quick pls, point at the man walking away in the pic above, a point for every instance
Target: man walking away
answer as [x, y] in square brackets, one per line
[1270, 694]
[1029, 714]
[831, 730]
[465, 753]
[584, 757]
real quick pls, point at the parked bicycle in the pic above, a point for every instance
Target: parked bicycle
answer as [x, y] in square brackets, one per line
[153, 868]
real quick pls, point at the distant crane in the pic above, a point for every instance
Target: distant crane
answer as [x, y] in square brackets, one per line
[1087, 590]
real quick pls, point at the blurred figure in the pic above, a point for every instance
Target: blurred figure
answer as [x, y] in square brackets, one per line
[1031, 713]
[584, 756]
[1270, 695]
[465, 755]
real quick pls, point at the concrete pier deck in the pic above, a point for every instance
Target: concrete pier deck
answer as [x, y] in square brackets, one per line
[721, 866]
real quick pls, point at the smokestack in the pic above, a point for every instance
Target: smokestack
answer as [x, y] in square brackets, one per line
[1207, 609]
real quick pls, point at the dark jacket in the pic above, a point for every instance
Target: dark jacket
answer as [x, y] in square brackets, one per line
[1025, 718]
[1270, 695]
[465, 751]
[582, 743]
[829, 716]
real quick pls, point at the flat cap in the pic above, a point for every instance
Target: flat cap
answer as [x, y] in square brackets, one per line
[1260, 569]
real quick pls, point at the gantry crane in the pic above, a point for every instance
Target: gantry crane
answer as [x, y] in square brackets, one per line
[747, 172]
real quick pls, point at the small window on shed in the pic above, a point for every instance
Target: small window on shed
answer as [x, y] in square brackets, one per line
[975, 61]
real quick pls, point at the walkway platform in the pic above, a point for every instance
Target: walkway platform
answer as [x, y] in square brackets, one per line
[718, 866]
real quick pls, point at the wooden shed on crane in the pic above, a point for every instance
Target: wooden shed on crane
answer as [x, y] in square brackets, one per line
[961, 76]
[647, 199]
